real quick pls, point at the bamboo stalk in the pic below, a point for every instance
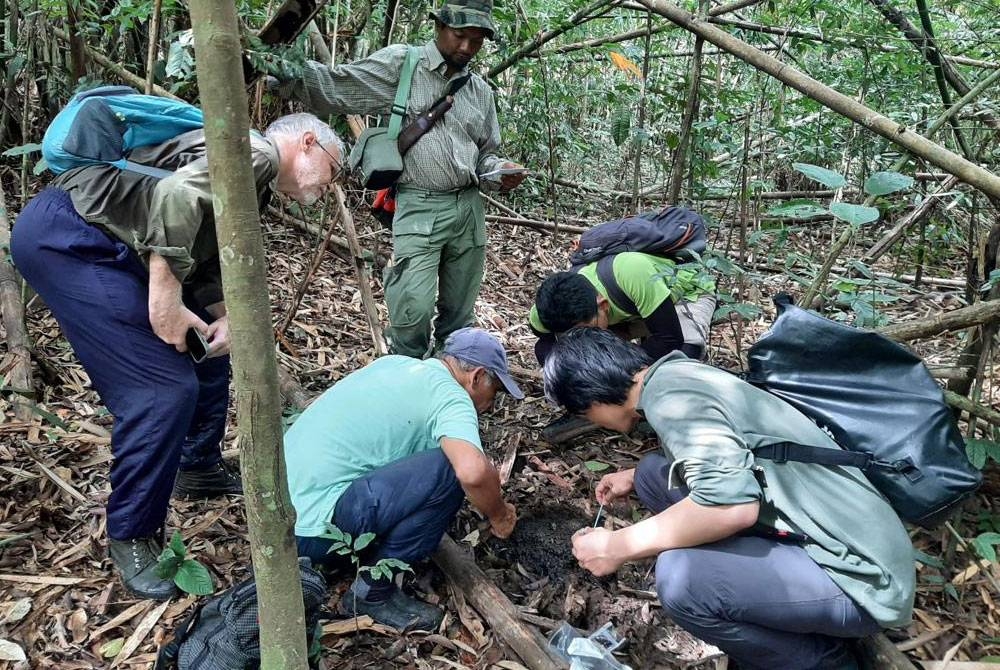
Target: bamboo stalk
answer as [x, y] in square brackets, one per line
[690, 112]
[537, 225]
[916, 216]
[154, 38]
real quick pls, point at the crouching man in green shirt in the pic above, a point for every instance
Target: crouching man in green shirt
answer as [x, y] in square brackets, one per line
[636, 295]
[777, 564]
[389, 450]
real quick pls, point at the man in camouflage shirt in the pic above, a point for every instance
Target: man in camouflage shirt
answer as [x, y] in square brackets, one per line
[439, 230]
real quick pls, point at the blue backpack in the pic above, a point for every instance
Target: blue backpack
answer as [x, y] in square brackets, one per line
[102, 125]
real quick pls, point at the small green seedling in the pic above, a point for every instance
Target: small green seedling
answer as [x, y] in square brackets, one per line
[188, 574]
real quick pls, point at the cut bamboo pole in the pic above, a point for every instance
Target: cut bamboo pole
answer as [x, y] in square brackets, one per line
[916, 216]
[964, 317]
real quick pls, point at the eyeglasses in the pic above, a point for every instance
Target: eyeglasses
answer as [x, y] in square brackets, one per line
[340, 166]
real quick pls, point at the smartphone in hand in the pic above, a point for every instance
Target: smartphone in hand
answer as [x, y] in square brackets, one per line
[196, 344]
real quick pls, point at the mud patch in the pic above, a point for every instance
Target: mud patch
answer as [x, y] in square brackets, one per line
[541, 543]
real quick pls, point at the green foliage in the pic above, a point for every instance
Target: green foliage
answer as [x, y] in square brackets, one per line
[985, 545]
[883, 183]
[188, 574]
[979, 451]
[798, 209]
[30, 148]
[855, 215]
[621, 125]
[828, 178]
[596, 466]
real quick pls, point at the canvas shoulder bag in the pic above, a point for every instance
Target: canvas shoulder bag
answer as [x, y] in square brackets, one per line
[375, 157]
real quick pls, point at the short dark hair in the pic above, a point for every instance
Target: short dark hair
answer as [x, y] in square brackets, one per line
[591, 365]
[565, 300]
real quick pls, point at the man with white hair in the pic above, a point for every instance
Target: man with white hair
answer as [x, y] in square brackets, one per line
[129, 265]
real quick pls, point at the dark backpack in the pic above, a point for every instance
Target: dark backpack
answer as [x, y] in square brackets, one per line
[102, 125]
[673, 232]
[877, 401]
[222, 634]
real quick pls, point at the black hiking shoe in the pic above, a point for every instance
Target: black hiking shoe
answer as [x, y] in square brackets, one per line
[218, 480]
[398, 611]
[136, 560]
[567, 427]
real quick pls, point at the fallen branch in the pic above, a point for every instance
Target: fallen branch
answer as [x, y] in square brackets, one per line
[972, 315]
[494, 606]
[537, 225]
[18, 379]
[922, 211]
[965, 404]
[361, 270]
[879, 653]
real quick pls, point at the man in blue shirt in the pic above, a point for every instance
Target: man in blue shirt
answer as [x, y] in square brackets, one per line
[393, 449]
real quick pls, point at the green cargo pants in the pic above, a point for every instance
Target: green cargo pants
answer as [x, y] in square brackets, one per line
[439, 244]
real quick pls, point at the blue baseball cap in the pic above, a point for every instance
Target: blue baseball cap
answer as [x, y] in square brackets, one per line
[477, 347]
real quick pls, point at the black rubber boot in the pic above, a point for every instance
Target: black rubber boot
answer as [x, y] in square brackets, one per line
[219, 480]
[397, 610]
[136, 560]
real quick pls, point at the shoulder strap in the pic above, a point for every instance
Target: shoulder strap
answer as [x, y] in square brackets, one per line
[800, 453]
[147, 170]
[606, 273]
[403, 92]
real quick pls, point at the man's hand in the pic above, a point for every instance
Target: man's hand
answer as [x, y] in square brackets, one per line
[218, 337]
[614, 486]
[593, 551]
[511, 181]
[168, 316]
[502, 527]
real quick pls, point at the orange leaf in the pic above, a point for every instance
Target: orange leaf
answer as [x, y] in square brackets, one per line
[624, 64]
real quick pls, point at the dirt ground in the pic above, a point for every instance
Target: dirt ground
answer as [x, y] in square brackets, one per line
[59, 603]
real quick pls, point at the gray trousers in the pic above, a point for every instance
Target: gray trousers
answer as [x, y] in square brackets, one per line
[765, 603]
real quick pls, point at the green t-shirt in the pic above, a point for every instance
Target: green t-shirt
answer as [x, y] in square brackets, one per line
[709, 420]
[395, 407]
[647, 280]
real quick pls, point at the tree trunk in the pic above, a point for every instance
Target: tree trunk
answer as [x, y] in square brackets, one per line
[981, 312]
[690, 113]
[77, 59]
[255, 374]
[896, 133]
[19, 378]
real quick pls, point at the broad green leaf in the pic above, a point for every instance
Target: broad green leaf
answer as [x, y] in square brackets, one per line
[927, 559]
[984, 546]
[31, 147]
[976, 451]
[192, 577]
[882, 183]
[798, 209]
[112, 648]
[855, 215]
[828, 178]
[363, 541]
[596, 466]
[179, 60]
[41, 166]
[177, 544]
[168, 564]
[744, 309]
[621, 124]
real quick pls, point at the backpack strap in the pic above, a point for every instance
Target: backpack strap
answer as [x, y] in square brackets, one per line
[147, 170]
[801, 453]
[403, 92]
[606, 273]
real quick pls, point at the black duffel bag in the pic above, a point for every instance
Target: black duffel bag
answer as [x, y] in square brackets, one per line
[877, 401]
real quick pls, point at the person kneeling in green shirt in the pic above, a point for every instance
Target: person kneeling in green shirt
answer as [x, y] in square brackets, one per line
[644, 297]
[778, 564]
[389, 450]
